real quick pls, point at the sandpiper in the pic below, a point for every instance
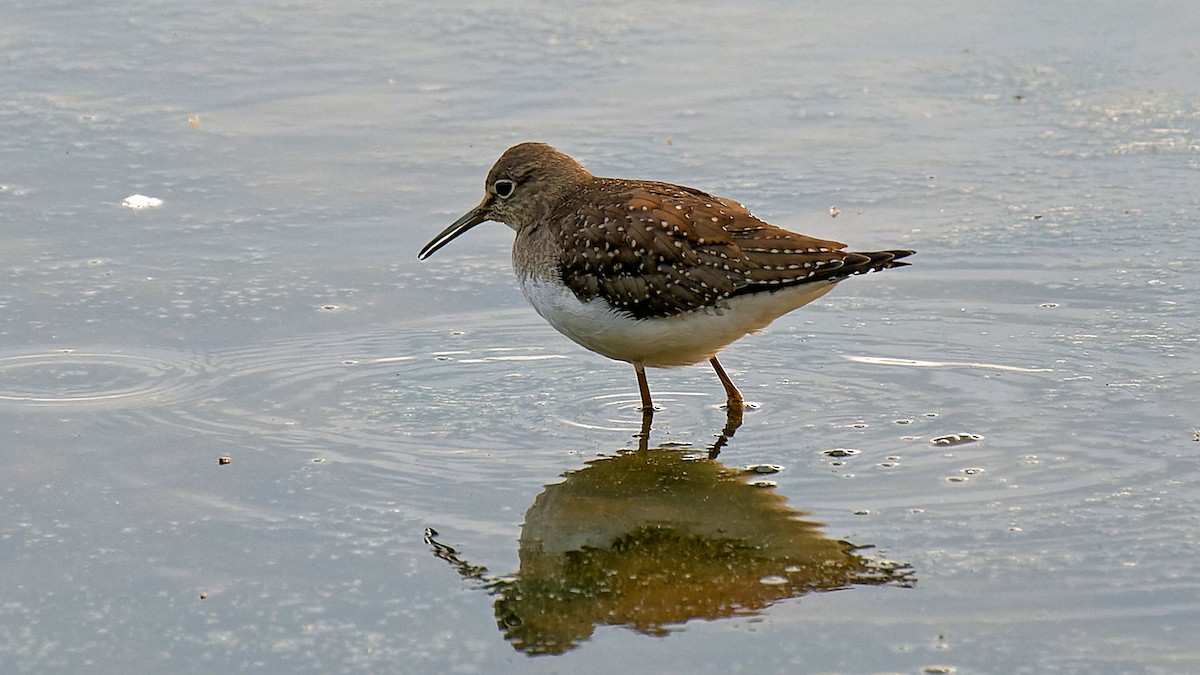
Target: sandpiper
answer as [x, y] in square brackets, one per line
[650, 273]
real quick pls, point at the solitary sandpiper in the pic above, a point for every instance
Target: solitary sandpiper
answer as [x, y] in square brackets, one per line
[650, 273]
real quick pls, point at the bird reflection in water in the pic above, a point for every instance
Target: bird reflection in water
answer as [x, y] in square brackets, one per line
[652, 539]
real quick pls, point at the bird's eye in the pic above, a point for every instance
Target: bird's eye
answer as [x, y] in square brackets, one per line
[503, 188]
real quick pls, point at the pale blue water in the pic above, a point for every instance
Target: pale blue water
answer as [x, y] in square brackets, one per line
[1043, 159]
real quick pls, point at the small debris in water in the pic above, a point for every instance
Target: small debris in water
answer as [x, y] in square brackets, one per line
[773, 580]
[204, 596]
[763, 484]
[223, 460]
[972, 471]
[904, 421]
[834, 212]
[840, 452]
[141, 202]
[764, 468]
[956, 439]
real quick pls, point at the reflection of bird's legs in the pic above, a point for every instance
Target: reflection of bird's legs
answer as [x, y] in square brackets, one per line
[733, 420]
[643, 436]
[447, 553]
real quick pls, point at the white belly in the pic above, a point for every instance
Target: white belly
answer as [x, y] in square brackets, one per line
[663, 342]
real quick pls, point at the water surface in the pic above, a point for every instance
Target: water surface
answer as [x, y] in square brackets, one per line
[1041, 158]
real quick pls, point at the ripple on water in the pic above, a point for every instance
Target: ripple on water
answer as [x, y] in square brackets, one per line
[96, 378]
[373, 389]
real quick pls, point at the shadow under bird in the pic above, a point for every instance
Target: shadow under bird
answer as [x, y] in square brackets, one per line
[650, 273]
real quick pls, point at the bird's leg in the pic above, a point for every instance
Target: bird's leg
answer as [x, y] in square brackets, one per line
[734, 409]
[647, 404]
[647, 407]
[733, 396]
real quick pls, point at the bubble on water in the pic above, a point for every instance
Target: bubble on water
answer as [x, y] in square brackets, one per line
[972, 471]
[840, 452]
[773, 580]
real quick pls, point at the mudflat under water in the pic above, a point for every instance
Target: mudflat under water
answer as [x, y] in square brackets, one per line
[992, 456]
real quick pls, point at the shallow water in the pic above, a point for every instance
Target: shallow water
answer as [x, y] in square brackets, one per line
[1042, 159]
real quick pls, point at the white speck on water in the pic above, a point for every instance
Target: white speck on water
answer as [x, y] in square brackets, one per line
[139, 201]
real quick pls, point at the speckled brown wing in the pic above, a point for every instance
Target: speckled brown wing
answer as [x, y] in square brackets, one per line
[655, 249]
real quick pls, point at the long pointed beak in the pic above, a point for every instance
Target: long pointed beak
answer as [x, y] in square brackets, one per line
[470, 219]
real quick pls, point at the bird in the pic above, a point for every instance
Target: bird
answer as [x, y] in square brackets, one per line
[654, 274]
